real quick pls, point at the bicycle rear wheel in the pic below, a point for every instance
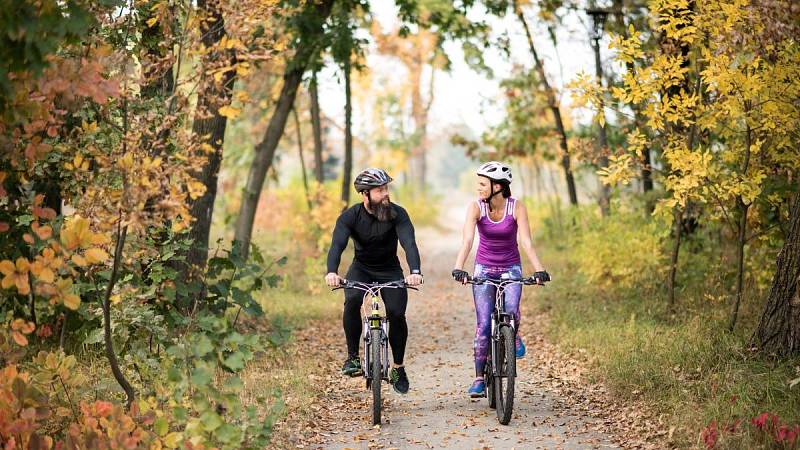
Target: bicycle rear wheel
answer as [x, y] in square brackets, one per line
[375, 373]
[507, 370]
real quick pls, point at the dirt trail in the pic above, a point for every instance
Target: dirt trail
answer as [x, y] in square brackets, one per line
[437, 413]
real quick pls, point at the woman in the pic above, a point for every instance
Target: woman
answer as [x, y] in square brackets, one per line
[500, 220]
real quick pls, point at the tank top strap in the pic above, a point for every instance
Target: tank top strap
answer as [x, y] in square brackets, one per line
[510, 207]
[481, 208]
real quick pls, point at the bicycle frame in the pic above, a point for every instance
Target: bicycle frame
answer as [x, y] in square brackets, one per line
[374, 318]
[500, 318]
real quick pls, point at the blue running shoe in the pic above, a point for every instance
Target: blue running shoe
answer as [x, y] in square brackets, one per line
[478, 388]
[520, 348]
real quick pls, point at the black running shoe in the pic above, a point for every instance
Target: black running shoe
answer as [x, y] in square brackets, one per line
[352, 367]
[399, 380]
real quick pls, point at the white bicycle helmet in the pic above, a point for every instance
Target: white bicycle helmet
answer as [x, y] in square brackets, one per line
[495, 171]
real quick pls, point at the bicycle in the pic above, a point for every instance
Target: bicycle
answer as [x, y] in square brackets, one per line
[376, 330]
[502, 362]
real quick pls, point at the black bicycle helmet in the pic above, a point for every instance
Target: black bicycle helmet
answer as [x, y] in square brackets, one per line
[370, 178]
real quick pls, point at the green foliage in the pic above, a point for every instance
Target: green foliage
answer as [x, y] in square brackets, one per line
[625, 251]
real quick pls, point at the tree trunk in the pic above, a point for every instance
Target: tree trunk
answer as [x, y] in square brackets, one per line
[554, 109]
[208, 128]
[265, 150]
[742, 231]
[348, 135]
[316, 125]
[130, 393]
[673, 264]
[778, 332]
[602, 141]
[302, 159]
[647, 171]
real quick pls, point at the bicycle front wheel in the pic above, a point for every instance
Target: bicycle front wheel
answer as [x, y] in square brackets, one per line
[376, 373]
[507, 370]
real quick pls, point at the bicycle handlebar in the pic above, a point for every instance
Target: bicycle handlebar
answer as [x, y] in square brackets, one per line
[375, 286]
[529, 281]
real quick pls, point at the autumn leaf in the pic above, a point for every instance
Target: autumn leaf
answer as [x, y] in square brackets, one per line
[76, 234]
[16, 275]
[96, 255]
[79, 260]
[44, 232]
[3, 192]
[65, 295]
[19, 328]
[229, 111]
[196, 189]
[4, 227]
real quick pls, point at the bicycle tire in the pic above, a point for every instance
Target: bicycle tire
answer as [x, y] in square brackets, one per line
[507, 370]
[488, 377]
[376, 373]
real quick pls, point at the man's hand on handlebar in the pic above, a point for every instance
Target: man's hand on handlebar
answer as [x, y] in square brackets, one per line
[333, 280]
[415, 279]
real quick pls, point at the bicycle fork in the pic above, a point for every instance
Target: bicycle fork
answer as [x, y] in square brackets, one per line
[376, 321]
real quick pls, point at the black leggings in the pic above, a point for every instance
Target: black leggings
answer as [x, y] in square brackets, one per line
[395, 301]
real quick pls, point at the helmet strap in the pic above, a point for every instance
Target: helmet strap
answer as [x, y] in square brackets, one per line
[489, 199]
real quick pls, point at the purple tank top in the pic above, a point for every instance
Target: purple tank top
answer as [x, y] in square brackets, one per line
[497, 245]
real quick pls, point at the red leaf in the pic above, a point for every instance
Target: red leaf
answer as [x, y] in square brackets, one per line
[760, 421]
[710, 434]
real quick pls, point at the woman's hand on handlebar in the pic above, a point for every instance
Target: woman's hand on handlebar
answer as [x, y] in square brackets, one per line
[460, 275]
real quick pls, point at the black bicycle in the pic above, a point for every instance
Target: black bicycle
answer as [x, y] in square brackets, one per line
[376, 337]
[500, 370]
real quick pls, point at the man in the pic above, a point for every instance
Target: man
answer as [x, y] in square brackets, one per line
[375, 225]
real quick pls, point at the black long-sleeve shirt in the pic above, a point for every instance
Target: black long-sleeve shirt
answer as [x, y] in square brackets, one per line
[375, 241]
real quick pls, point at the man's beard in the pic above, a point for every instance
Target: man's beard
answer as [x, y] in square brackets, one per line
[382, 211]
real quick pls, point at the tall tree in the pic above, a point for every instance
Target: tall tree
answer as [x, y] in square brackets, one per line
[310, 34]
[316, 125]
[347, 167]
[210, 123]
[553, 105]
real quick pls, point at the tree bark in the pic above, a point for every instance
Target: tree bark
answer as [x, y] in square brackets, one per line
[130, 393]
[209, 128]
[316, 125]
[302, 159]
[265, 150]
[602, 141]
[348, 135]
[677, 219]
[742, 231]
[554, 109]
[778, 331]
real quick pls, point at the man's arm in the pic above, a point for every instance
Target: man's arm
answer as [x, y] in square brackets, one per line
[341, 234]
[405, 234]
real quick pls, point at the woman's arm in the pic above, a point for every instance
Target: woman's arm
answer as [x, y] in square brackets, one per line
[524, 235]
[467, 235]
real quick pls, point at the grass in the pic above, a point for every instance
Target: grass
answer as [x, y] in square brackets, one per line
[684, 364]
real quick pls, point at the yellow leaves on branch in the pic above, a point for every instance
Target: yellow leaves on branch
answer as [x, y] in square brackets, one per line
[587, 92]
[76, 235]
[619, 170]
